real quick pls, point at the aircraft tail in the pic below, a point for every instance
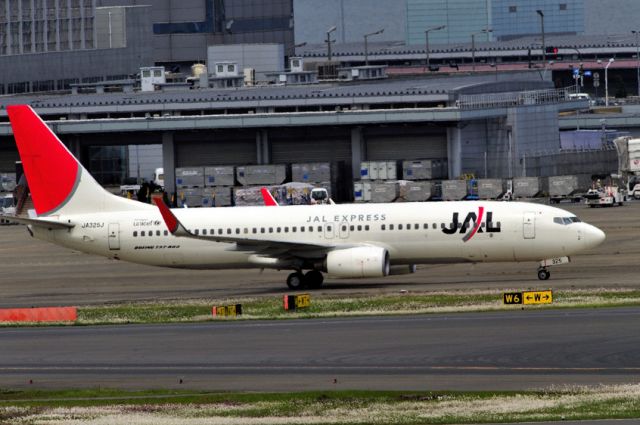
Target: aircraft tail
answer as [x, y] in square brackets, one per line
[59, 184]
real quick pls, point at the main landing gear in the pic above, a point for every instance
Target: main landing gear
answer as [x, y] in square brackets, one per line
[312, 279]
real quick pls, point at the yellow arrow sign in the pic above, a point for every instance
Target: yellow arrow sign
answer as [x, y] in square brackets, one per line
[537, 297]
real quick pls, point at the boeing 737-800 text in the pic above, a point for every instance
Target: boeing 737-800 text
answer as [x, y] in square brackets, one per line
[347, 240]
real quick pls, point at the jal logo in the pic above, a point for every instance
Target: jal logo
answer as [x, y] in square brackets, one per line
[471, 224]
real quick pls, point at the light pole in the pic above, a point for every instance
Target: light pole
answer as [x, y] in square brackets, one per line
[606, 82]
[426, 36]
[328, 41]
[366, 45]
[637, 33]
[544, 46]
[473, 46]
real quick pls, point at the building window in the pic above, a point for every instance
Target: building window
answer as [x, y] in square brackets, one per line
[563, 6]
[513, 9]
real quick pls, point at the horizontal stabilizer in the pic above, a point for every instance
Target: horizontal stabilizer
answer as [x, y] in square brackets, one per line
[49, 224]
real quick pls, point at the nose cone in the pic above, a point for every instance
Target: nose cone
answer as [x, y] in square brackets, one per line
[595, 236]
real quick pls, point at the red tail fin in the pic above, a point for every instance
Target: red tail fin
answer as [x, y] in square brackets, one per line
[52, 171]
[268, 198]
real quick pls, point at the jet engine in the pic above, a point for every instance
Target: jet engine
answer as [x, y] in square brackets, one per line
[366, 261]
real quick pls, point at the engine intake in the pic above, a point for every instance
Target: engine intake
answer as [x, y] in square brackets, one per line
[366, 261]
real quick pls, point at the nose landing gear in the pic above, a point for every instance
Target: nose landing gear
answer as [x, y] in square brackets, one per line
[543, 273]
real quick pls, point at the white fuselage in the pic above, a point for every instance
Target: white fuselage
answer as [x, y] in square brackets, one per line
[412, 233]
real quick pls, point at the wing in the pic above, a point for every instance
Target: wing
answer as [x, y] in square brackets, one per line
[264, 247]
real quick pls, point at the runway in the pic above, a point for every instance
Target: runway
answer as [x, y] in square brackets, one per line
[480, 351]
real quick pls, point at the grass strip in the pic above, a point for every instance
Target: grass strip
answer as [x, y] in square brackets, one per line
[271, 308]
[322, 305]
[335, 407]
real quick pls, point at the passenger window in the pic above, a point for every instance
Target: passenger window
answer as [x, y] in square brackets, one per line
[204, 232]
[279, 229]
[329, 228]
[195, 232]
[302, 229]
[320, 228]
[219, 231]
[359, 227]
[254, 230]
[212, 232]
[157, 232]
[245, 230]
[366, 227]
[150, 233]
[135, 234]
[416, 226]
[383, 227]
[142, 233]
[166, 233]
[286, 229]
[294, 229]
[435, 226]
[352, 227]
[310, 228]
[399, 226]
[425, 226]
[228, 231]
[262, 230]
[270, 229]
[391, 227]
[344, 227]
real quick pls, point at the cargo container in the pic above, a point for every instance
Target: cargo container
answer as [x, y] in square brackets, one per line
[415, 191]
[313, 172]
[382, 192]
[219, 176]
[423, 169]
[190, 197]
[272, 174]
[454, 190]
[188, 177]
[379, 170]
[490, 188]
[362, 191]
[568, 187]
[217, 196]
[529, 187]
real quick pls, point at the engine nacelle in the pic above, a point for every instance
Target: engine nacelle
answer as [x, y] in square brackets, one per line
[365, 261]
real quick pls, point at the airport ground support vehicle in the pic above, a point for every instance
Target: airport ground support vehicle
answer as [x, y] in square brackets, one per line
[344, 240]
[7, 207]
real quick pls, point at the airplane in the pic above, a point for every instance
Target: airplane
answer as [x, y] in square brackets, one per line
[344, 240]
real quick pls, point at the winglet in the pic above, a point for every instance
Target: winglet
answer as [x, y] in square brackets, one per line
[268, 198]
[174, 226]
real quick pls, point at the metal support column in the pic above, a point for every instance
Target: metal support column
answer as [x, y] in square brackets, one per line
[169, 162]
[358, 151]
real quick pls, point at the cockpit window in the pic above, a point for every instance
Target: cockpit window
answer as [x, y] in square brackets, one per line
[566, 220]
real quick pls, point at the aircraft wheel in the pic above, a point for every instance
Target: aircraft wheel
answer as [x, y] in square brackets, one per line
[314, 279]
[295, 281]
[543, 274]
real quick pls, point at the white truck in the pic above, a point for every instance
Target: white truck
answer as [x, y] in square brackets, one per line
[7, 207]
[629, 163]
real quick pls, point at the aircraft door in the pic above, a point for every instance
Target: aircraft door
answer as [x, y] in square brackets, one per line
[529, 225]
[329, 229]
[114, 236]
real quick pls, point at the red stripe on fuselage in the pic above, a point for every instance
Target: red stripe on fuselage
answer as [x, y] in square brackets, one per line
[50, 168]
[477, 223]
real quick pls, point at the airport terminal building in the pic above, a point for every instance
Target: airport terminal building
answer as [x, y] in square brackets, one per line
[484, 125]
